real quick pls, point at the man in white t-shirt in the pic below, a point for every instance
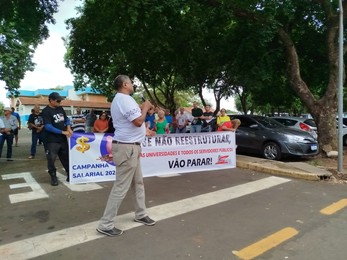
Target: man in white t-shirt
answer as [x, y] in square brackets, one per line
[130, 131]
[182, 120]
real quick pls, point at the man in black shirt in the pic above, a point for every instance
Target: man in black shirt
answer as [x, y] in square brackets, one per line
[207, 119]
[36, 125]
[195, 127]
[57, 130]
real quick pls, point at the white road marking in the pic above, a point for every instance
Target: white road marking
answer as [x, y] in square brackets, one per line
[36, 193]
[169, 175]
[78, 187]
[54, 241]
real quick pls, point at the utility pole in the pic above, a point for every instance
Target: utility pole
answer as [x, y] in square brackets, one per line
[340, 92]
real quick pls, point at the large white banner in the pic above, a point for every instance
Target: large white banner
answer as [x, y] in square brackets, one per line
[91, 155]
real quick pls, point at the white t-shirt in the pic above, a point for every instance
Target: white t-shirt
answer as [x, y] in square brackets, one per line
[124, 110]
[181, 118]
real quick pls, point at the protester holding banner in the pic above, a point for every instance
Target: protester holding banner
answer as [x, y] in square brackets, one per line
[130, 131]
[57, 130]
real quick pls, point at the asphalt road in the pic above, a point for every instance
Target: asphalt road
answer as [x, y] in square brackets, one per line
[227, 214]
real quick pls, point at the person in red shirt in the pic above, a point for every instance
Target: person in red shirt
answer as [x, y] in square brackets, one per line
[230, 125]
[101, 124]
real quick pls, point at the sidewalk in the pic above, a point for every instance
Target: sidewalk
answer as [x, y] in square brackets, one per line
[299, 170]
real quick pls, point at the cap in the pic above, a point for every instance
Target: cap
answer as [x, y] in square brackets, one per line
[7, 109]
[55, 96]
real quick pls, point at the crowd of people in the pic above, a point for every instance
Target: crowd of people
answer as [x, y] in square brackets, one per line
[157, 121]
[130, 123]
[160, 121]
[91, 122]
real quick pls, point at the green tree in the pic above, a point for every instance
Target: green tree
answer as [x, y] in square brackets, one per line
[252, 48]
[23, 25]
[134, 38]
[308, 34]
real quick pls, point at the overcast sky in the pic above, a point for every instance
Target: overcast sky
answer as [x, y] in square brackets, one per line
[49, 57]
[50, 71]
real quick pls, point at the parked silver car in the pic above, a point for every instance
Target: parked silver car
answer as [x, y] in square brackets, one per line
[308, 124]
[271, 139]
[304, 124]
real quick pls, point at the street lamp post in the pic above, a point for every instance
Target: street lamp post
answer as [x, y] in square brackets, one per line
[340, 92]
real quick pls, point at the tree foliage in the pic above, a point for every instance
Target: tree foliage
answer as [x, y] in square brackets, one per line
[268, 52]
[307, 32]
[23, 25]
[152, 40]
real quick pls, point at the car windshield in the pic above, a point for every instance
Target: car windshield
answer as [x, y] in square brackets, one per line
[268, 122]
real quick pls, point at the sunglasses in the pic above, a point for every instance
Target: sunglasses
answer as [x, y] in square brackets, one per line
[58, 101]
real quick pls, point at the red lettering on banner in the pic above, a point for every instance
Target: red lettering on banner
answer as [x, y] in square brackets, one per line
[185, 152]
[225, 149]
[208, 150]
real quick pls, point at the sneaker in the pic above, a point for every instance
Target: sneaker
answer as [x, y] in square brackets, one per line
[111, 233]
[146, 221]
[9, 159]
[54, 181]
[31, 157]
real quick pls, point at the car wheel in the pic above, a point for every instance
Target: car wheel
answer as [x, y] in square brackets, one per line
[344, 140]
[272, 151]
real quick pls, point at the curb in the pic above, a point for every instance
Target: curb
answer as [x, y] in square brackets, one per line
[278, 168]
[278, 172]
